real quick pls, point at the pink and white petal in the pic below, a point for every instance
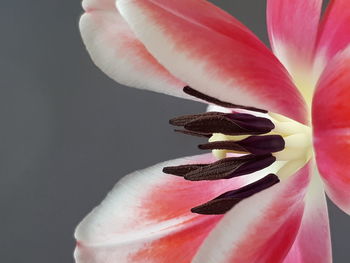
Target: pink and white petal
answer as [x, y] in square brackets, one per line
[95, 5]
[331, 123]
[116, 51]
[261, 228]
[313, 242]
[214, 53]
[147, 218]
[334, 32]
[293, 27]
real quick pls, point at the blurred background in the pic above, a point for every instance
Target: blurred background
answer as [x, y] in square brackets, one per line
[69, 133]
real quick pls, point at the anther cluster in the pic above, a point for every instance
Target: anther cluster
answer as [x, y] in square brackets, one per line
[250, 140]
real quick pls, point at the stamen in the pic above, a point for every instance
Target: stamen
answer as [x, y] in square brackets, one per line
[182, 170]
[183, 120]
[198, 134]
[226, 201]
[296, 146]
[253, 144]
[226, 123]
[263, 139]
[195, 93]
[223, 169]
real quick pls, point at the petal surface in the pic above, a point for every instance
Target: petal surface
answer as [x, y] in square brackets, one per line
[313, 242]
[116, 51]
[147, 218]
[102, 5]
[331, 122]
[214, 53]
[334, 33]
[260, 229]
[293, 27]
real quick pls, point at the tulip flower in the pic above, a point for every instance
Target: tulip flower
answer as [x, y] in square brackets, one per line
[276, 117]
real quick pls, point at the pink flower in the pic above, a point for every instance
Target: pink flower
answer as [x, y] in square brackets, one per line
[304, 86]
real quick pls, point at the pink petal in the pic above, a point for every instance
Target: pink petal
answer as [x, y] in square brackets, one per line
[146, 217]
[334, 33]
[214, 53]
[331, 122]
[117, 52]
[260, 229]
[293, 27]
[313, 242]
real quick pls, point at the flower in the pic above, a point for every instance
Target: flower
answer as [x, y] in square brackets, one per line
[274, 208]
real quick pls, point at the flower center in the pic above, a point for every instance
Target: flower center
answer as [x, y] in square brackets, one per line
[244, 140]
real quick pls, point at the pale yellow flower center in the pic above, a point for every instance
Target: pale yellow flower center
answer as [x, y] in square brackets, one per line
[298, 144]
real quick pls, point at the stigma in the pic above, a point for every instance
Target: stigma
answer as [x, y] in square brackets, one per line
[244, 140]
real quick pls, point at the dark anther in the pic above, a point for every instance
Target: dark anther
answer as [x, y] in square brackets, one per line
[226, 123]
[226, 201]
[192, 92]
[198, 134]
[253, 144]
[223, 169]
[182, 170]
[183, 120]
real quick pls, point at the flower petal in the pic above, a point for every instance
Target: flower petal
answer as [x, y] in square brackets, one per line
[331, 123]
[147, 218]
[313, 242]
[214, 53]
[102, 5]
[334, 33]
[260, 229]
[117, 52]
[293, 27]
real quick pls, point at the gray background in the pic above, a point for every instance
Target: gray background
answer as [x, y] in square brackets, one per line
[68, 132]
